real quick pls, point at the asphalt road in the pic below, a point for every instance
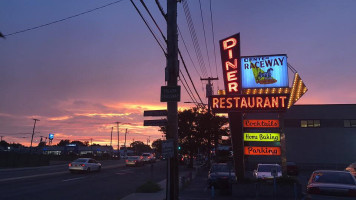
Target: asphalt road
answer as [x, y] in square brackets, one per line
[55, 182]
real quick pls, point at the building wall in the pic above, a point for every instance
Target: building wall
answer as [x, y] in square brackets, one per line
[331, 143]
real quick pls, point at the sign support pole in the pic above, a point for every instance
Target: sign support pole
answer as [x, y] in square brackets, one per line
[172, 107]
[237, 140]
[283, 144]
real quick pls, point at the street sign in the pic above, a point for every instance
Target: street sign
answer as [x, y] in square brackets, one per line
[159, 122]
[170, 93]
[155, 113]
[168, 148]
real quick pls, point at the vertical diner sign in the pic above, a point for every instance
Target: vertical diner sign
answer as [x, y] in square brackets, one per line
[230, 57]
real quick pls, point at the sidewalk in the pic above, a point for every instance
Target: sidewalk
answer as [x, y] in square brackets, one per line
[185, 177]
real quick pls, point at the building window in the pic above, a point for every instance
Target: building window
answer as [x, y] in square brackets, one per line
[309, 123]
[350, 123]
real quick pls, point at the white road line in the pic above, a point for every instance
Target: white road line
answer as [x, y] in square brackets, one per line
[72, 179]
[120, 173]
[31, 176]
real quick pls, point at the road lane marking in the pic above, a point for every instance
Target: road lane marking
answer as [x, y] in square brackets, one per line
[31, 176]
[72, 179]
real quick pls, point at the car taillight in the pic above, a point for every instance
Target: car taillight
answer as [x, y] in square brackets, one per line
[82, 165]
[126, 160]
[70, 164]
[313, 190]
[352, 193]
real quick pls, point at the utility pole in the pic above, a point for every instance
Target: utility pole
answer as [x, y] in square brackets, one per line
[118, 138]
[33, 133]
[125, 151]
[112, 128]
[209, 89]
[148, 140]
[172, 107]
[1, 138]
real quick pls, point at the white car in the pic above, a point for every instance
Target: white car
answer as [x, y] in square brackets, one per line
[84, 164]
[264, 171]
[148, 158]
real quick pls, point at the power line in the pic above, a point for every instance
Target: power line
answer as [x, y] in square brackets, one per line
[206, 44]
[166, 41]
[180, 34]
[194, 38]
[213, 39]
[191, 96]
[148, 26]
[73, 16]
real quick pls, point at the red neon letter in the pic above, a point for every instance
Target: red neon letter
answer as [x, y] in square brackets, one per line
[233, 87]
[232, 65]
[215, 103]
[231, 76]
[232, 42]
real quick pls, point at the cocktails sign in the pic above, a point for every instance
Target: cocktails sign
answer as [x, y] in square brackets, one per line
[270, 71]
[261, 123]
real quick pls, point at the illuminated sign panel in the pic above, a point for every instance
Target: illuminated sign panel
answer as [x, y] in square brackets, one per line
[262, 151]
[230, 57]
[270, 71]
[261, 123]
[262, 137]
[245, 103]
[51, 136]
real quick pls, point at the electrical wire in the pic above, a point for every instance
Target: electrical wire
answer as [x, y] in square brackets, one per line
[194, 38]
[186, 69]
[206, 44]
[148, 26]
[213, 40]
[70, 17]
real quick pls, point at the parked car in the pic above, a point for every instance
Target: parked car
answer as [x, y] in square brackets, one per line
[84, 164]
[221, 175]
[134, 161]
[264, 171]
[331, 183]
[352, 169]
[148, 158]
[292, 169]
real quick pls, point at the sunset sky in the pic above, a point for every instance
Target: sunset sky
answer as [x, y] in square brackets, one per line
[81, 75]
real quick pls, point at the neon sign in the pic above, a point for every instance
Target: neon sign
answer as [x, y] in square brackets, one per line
[262, 151]
[261, 123]
[270, 71]
[230, 57]
[262, 137]
[245, 103]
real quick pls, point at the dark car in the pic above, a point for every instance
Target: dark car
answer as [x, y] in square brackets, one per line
[292, 169]
[221, 175]
[331, 184]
